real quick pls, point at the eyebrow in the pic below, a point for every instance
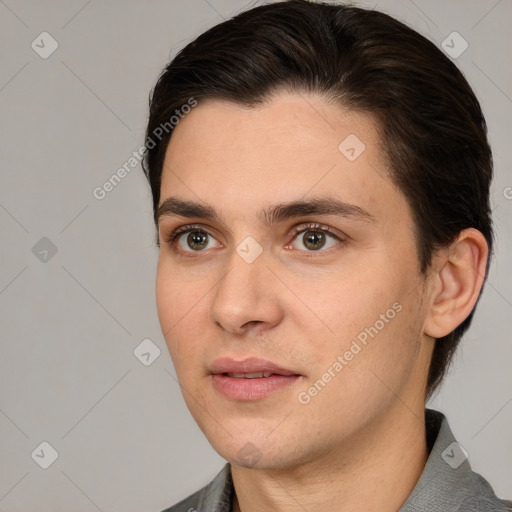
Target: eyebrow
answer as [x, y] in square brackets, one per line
[174, 207]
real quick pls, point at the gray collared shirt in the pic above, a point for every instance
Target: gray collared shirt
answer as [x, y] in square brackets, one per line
[447, 484]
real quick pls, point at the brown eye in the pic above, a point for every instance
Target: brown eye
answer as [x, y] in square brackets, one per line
[314, 240]
[197, 240]
[192, 240]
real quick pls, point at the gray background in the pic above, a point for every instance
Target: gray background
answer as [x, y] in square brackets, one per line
[70, 324]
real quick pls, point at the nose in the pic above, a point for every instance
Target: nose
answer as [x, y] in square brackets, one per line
[246, 297]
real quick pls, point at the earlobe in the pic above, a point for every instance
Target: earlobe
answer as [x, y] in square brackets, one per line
[458, 283]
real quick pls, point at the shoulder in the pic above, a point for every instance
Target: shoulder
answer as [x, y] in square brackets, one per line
[189, 504]
[214, 497]
[448, 482]
[480, 496]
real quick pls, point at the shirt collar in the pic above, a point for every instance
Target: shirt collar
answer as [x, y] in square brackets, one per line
[441, 486]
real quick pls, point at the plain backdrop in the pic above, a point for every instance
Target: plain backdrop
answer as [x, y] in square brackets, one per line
[77, 273]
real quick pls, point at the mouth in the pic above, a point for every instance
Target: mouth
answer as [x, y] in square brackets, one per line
[254, 375]
[251, 379]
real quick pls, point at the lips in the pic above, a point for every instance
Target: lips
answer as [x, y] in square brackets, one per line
[254, 375]
[251, 379]
[248, 368]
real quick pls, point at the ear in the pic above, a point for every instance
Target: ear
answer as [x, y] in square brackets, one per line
[458, 280]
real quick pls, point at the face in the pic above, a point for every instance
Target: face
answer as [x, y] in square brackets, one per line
[287, 288]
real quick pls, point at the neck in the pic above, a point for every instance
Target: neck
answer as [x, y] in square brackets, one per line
[377, 469]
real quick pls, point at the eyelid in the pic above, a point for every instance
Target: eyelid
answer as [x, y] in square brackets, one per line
[173, 235]
[311, 226]
[171, 238]
[341, 238]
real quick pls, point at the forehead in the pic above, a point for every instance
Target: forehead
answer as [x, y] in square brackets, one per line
[291, 147]
[297, 122]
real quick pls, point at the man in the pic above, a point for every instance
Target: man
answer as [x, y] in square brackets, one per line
[320, 178]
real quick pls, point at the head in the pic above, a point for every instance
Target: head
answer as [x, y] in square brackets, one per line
[280, 115]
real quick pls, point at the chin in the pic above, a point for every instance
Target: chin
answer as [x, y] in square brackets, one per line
[258, 452]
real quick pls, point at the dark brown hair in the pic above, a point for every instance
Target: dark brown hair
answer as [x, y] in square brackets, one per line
[431, 125]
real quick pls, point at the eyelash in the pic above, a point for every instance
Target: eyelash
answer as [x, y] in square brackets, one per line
[297, 230]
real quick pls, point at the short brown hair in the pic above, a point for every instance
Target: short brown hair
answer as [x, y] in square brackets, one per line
[431, 125]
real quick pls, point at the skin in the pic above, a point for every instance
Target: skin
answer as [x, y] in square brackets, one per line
[360, 442]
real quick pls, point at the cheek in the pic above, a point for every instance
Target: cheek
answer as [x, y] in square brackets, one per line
[178, 306]
[351, 301]
[369, 313]
[167, 304]
[366, 365]
[176, 295]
